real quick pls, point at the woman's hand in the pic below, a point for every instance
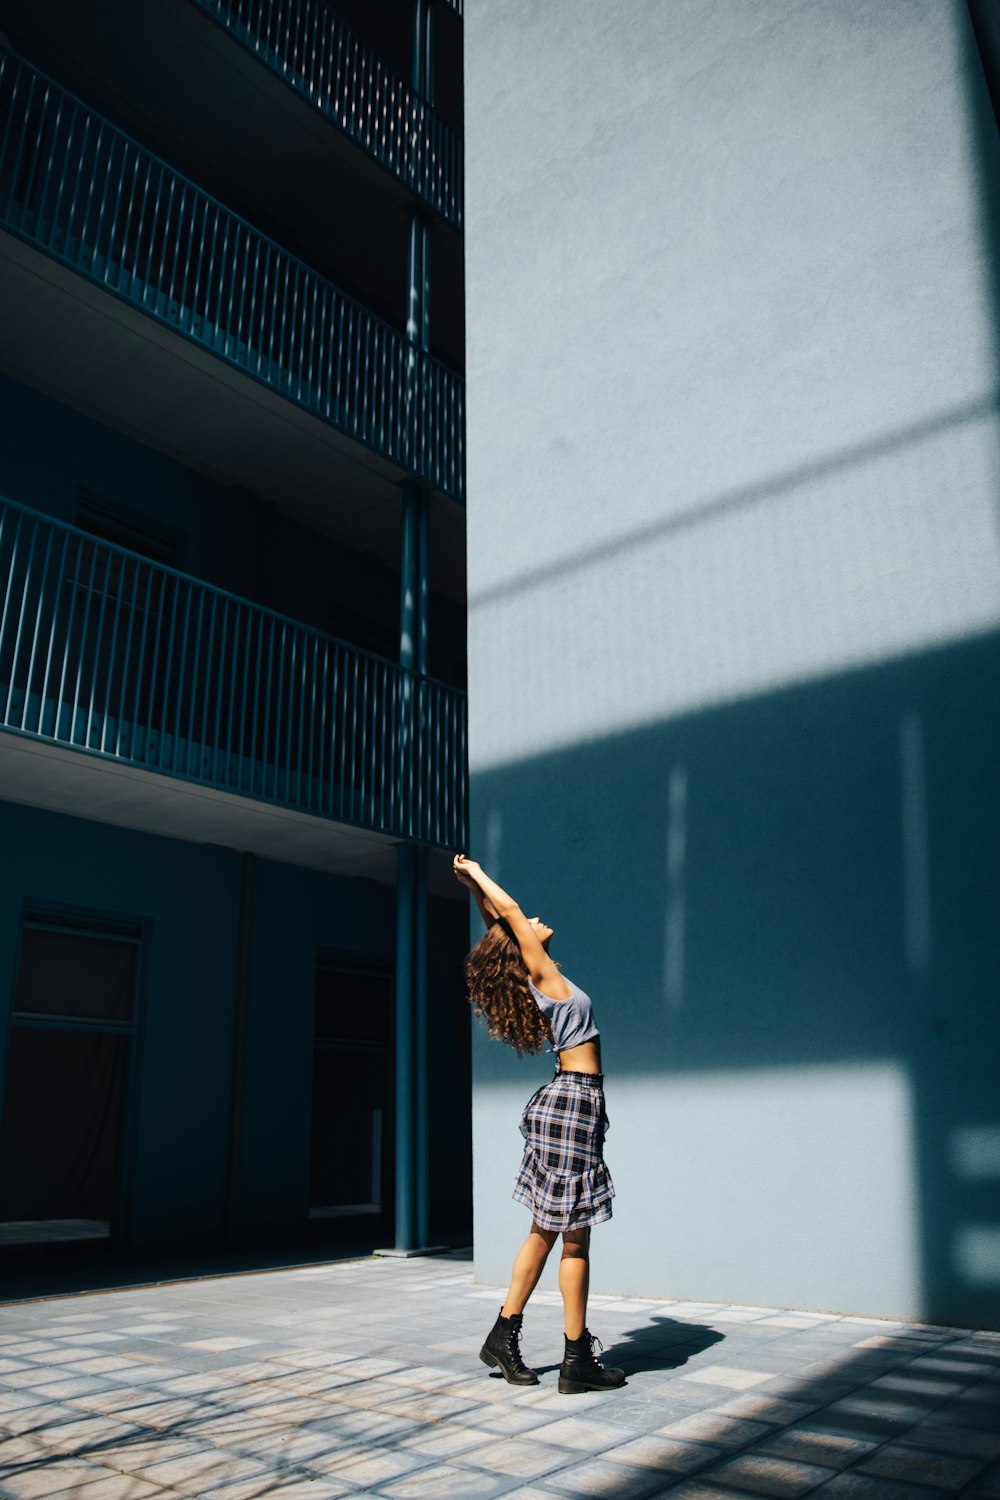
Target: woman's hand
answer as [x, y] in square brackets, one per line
[465, 870]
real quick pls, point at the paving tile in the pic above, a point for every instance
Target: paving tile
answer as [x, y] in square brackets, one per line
[828, 1449]
[911, 1384]
[445, 1482]
[196, 1472]
[287, 1446]
[881, 1411]
[579, 1433]
[494, 1389]
[38, 1417]
[533, 1492]
[761, 1474]
[365, 1467]
[987, 1486]
[699, 1489]
[515, 1457]
[116, 1487]
[600, 1478]
[291, 1487]
[27, 1375]
[668, 1454]
[443, 1440]
[981, 1416]
[194, 1384]
[91, 1433]
[139, 1453]
[953, 1365]
[855, 1486]
[730, 1376]
[509, 1421]
[125, 1401]
[919, 1466]
[762, 1407]
[812, 1390]
[369, 1368]
[51, 1478]
[722, 1431]
[367, 1426]
[233, 1429]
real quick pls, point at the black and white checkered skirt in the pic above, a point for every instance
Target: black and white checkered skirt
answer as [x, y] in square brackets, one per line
[563, 1178]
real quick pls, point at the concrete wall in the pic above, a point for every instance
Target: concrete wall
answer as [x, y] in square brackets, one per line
[734, 577]
[188, 899]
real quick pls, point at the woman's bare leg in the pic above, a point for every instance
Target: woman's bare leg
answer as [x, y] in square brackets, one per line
[574, 1280]
[529, 1264]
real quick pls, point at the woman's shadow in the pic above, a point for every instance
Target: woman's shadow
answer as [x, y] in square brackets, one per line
[661, 1344]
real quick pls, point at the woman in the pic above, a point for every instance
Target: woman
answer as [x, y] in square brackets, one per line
[525, 1000]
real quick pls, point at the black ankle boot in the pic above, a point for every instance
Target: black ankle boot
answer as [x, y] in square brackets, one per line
[501, 1350]
[580, 1371]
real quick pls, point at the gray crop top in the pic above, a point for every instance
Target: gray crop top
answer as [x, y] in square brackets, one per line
[571, 1021]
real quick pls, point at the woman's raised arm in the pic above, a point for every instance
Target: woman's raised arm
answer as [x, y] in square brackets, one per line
[492, 896]
[486, 911]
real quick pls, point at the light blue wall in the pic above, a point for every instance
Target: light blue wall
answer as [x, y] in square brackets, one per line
[734, 578]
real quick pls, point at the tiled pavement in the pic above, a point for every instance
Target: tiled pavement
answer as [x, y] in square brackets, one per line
[363, 1378]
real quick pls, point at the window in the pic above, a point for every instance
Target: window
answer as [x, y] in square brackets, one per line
[351, 1088]
[62, 1127]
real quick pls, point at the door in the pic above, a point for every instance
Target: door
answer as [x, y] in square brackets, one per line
[350, 1179]
[62, 1130]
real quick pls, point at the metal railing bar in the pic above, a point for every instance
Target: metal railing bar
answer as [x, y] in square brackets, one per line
[149, 662]
[151, 236]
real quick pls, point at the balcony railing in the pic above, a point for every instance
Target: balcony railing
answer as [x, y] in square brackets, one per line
[309, 46]
[109, 653]
[88, 195]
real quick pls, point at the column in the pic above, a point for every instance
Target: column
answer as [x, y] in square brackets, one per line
[412, 1122]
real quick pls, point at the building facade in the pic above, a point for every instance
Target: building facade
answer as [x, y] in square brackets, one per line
[232, 624]
[734, 598]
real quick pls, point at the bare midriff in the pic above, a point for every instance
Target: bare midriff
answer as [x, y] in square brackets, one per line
[586, 1058]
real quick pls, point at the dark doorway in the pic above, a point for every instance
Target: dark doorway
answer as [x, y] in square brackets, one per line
[63, 1126]
[351, 1173]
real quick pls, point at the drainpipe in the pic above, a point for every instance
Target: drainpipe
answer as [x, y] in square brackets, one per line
[406, 1216]
[237, 1088]
[412, 1117]
[412, 1114]
[422, 70]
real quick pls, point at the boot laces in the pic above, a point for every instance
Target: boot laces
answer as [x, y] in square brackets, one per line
[513, 1342]
[513, 1335]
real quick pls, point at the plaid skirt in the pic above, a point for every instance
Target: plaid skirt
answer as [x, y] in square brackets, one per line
[563, 1178]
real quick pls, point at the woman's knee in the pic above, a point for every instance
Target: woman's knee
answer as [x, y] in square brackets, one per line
[547, 1237]
[576, 1244]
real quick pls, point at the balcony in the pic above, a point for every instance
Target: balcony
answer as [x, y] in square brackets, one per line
[313, 50]
[89, 197]
[110, 656]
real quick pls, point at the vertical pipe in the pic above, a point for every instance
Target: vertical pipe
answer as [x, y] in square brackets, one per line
[406, 1227]
[422, 601]
[420, 1081]
[238, 1080]
[418, 335]
[422, 71]
[409, 534]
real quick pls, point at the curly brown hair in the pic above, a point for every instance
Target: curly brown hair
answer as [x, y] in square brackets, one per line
[497, 985]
